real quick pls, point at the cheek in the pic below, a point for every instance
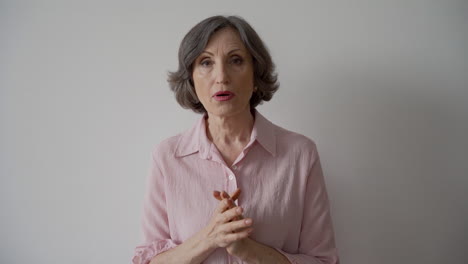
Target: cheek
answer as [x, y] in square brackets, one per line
[248, 80]
[202, 87]
[203, 71]
[201, 78]
[248, 74]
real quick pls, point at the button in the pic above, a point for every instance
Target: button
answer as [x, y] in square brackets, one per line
[231, 177]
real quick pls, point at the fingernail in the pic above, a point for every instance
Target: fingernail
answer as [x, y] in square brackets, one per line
[248, 221]
[239, 210]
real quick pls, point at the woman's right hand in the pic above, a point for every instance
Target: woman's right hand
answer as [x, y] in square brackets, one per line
[224, 228]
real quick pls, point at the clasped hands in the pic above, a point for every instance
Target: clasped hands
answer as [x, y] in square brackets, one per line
[227, 227]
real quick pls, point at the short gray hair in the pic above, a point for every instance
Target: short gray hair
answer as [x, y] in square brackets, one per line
[193, 44]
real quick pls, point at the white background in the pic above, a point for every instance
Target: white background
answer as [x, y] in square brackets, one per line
[380, 86]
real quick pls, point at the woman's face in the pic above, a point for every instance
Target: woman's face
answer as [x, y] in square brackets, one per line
[225, 66]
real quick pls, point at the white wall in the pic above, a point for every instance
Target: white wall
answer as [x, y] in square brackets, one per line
[381, 86]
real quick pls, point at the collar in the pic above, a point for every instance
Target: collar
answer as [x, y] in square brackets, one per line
[195, 139]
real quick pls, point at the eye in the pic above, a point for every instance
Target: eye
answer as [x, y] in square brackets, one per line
[206, 62]
[236, 60]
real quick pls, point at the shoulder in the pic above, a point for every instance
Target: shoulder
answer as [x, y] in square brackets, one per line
[282, 141]
[289, 141]
[166, 148]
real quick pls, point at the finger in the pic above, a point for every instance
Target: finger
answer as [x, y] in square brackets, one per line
[223, 206]
[231, 214]
[217, 195]
[238, 226]
[236, 194]
[225, 195]
[232, 205]
[232, 237]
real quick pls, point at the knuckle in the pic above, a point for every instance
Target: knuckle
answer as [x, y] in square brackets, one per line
[228, 215]
[238, 236]
[234, 211]
[226, 218]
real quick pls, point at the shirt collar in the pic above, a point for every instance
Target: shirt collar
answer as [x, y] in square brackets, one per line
[195, 139]
[264, 132]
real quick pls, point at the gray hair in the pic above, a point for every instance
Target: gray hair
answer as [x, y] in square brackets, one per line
[193, 44]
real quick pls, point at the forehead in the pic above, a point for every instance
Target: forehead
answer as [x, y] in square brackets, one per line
[225, 38]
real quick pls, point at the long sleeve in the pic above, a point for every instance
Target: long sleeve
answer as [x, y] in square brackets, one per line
[155, 224]
[281, 178]
[317, 242]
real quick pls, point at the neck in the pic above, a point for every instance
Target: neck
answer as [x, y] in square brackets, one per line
[231, 129]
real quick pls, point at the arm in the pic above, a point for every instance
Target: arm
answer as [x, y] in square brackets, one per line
[154, 222]
[218, 233]
[259, 253]
[159, 247]
[194, 250]
[316, 242]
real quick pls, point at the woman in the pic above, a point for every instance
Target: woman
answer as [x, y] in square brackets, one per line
[282, 214]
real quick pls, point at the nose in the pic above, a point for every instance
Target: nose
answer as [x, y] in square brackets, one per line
[222, 76]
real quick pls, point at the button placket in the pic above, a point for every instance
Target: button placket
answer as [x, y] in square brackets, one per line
[230, 173]
[231, 183]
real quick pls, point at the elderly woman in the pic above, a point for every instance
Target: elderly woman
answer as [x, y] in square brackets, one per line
[282, 214]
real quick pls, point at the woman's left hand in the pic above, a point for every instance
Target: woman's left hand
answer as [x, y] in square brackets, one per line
[237, 248]
[248, 249]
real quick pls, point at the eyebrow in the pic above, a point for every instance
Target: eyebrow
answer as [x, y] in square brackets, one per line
[213, 54]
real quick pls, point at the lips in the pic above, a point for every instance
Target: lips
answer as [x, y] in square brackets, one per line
[223, 95]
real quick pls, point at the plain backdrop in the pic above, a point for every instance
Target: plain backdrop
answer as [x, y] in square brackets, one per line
[380, 86]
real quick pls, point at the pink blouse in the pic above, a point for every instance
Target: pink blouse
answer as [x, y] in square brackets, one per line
[283, 191]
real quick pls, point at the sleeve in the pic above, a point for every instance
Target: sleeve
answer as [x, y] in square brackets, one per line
[316, 242]
[155, 223]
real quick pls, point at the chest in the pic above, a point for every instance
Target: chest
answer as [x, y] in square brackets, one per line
[271, 195]
[229, 153]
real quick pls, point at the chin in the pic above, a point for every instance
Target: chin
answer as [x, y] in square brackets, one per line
[226, 111]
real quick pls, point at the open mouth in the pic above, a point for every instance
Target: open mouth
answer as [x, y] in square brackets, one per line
[223, 96]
